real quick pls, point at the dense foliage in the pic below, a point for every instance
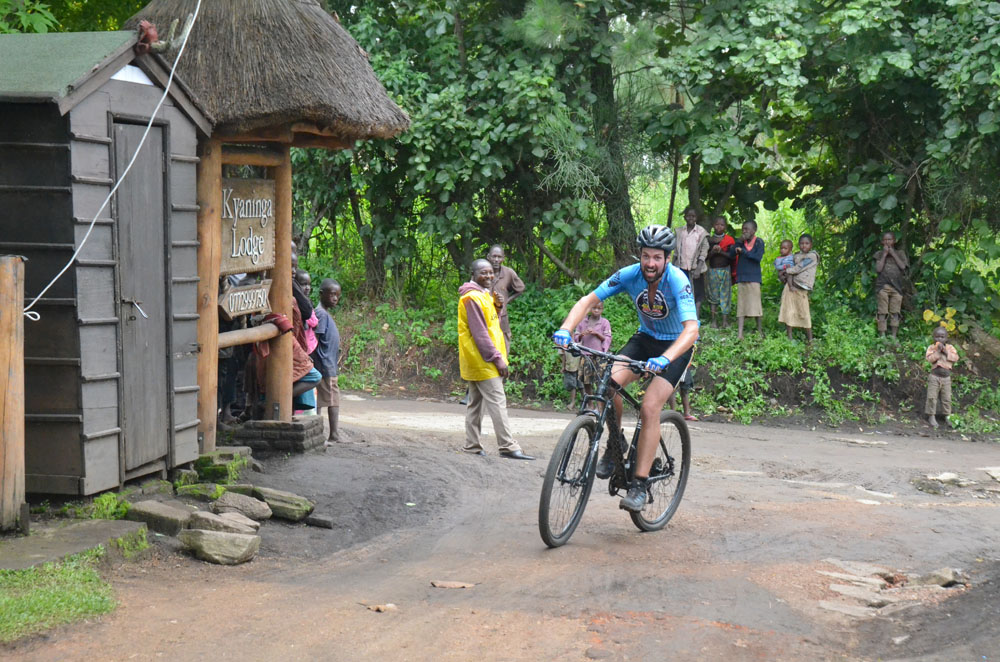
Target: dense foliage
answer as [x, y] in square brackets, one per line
[855, 117]
[557, 127]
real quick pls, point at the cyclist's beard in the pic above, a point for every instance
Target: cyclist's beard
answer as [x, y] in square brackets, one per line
[654, 278]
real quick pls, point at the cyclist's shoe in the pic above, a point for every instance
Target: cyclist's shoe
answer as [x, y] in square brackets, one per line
[606, 465]
[635, 500]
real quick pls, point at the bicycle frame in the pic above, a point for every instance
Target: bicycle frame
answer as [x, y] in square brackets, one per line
[605, 400]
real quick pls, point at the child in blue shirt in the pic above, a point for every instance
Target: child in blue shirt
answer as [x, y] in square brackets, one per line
[785, 260]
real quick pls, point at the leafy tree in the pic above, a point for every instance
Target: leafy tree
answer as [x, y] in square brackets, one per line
[95, 15]
[25, 16]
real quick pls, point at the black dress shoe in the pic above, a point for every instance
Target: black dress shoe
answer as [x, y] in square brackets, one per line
[515, 455]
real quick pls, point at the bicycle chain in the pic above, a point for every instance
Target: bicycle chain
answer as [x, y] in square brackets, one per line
[616, 439]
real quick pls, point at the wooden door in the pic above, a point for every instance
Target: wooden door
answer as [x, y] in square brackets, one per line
[142, 293]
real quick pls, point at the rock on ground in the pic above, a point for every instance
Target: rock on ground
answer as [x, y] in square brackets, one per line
[159, 517]
[241, 519]
[213, 522]
[242, 504]
[285, 504]
[220, 547]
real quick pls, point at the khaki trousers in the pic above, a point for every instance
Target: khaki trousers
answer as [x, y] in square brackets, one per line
[938, 388]
[889, 303]
[488, 394]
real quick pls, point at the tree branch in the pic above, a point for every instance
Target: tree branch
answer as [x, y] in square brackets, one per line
[555, 260]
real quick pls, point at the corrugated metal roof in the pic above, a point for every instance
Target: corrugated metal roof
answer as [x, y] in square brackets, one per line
[49, 66]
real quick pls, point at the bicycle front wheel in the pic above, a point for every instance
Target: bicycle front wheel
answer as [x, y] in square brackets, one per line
[567, 484]
[670, 470]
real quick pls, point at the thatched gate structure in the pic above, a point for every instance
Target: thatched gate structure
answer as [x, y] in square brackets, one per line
[272, 74]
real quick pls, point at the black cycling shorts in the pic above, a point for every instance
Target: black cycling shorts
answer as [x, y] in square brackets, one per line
[642, 347]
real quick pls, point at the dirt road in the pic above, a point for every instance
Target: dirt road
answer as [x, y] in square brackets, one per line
[735, 576]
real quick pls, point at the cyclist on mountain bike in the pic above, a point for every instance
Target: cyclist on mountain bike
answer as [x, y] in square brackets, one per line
[668, 329]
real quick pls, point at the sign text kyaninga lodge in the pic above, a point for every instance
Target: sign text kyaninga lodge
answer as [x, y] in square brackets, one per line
[247, 243]
[247, 225]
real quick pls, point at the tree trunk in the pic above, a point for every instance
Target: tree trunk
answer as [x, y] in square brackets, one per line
[374, 268]
[607, 132]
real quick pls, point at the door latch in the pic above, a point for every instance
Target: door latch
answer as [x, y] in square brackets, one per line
[137, 307]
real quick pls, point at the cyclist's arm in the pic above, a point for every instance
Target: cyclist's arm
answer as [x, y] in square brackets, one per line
[579, 311]
[684, 342]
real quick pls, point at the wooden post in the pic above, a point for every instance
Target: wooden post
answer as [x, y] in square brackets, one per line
[209, 257]
[279, 363]
[12, 391]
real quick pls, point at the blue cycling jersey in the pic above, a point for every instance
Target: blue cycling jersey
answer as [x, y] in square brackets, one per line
[664, 317]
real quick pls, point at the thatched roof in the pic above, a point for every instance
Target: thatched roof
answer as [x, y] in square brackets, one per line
[279, 68]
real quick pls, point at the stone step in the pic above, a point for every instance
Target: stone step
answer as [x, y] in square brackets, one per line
[57, 541]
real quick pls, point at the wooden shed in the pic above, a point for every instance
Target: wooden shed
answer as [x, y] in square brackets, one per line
[110, 367]
[273, 74]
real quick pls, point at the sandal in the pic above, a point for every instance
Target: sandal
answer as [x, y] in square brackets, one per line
[689, 417]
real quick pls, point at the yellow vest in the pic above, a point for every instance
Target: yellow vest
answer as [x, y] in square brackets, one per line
[470, 361]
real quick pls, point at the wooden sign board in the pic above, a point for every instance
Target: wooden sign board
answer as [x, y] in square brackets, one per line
[247, 225]
[245, 300]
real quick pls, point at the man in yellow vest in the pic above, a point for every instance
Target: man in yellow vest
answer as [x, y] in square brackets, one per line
[482, 357]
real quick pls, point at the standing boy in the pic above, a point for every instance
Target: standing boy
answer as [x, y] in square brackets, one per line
[482, 359]
[692, 250]
[326, 357]
[942, 356]
[507, 286]
[891, 266]
[750, 250]
[719, 288]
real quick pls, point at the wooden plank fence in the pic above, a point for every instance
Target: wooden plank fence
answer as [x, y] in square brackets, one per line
[13, 510]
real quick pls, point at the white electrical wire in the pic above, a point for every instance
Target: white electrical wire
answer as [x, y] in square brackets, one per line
[32, 315]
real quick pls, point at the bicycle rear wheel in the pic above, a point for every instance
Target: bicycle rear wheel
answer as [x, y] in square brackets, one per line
[567, 484]
[673, 462]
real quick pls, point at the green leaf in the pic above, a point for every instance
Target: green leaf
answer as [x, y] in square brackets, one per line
[843, 208]
[538, 151]
[711, 155]
[889, 202]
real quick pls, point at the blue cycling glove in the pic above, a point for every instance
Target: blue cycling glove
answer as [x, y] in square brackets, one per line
[657, 364]
[562, 338]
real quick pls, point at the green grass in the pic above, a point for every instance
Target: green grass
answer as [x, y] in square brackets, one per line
[38, 599]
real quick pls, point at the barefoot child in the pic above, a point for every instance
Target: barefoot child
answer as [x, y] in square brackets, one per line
[749, 248]
[571, 377]
[327, 355]
[719, 288]
[799, 280]
[593, 332]
[942, 356]
[685, 387]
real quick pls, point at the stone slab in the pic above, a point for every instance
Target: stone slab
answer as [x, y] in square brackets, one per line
[854, 579]
[219, 547]
[319, 521]
[160, 517]
[855, 611]
[56, 542]
[213, 522]
[869, 597]
[858, 567]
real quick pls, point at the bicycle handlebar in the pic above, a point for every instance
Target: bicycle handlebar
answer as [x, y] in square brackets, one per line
[576, 349]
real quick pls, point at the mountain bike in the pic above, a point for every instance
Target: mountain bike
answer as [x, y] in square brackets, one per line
[570, 474]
